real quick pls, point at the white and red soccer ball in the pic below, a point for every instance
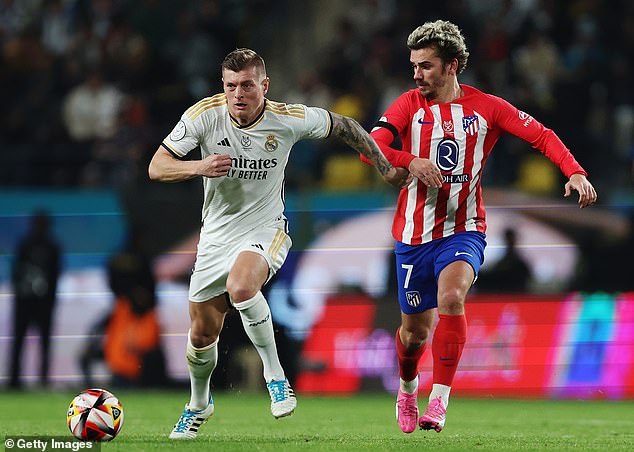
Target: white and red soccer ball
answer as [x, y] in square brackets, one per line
[95, 415]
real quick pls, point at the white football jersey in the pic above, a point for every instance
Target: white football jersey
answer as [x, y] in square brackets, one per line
[252, 193]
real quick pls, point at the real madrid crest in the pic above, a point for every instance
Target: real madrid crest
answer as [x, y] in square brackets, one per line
[271, 143]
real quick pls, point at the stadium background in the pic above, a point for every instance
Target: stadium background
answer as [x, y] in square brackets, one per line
[569, 64]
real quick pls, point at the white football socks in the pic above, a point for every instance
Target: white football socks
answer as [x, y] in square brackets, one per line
[442, 391]
[409, 387]
[256, 319]
[201, 362]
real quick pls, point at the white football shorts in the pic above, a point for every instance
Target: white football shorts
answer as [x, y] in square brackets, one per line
[213, 262]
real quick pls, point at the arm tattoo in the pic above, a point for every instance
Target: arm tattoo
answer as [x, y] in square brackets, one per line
[351, 133]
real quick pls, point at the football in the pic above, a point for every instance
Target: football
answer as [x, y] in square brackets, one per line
[95, 415]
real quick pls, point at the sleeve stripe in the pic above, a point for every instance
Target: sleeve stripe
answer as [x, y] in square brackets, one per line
[296, 112]
[388, 126]
[284, 108]
[207, 100]
[295, 115]
[203, 108]
[167, 148]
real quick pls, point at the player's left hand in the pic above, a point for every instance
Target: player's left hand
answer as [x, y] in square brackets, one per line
[580, 183]
[398, 177]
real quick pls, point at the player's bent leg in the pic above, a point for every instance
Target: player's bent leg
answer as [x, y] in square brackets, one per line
[246, 277]
[256, 319]
[283, 400]
[410, 343]
[191, 420]
[449, 338]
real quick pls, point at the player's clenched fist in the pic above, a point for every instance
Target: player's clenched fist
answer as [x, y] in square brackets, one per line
[215, 165]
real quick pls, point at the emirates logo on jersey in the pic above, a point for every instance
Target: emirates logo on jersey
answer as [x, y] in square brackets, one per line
[250, 169]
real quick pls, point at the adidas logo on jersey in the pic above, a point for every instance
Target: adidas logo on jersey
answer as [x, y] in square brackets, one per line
[224, 142]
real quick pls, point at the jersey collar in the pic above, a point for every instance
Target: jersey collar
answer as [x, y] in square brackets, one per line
[253, 123]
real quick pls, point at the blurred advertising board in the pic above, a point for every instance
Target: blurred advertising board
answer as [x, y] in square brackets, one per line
[576, 345]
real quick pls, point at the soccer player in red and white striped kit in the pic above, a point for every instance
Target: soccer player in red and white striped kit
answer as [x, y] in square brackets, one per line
[447, 131]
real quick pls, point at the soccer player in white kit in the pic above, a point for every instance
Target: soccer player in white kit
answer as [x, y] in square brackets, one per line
[245, 141]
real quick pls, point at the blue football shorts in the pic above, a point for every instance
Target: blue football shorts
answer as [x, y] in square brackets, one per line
[418, 267]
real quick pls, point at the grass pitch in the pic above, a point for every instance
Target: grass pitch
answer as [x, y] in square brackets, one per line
[242, 422]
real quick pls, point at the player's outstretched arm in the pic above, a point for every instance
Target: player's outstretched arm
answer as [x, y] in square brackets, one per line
[587, 193]
[351, 133]
[165, 168]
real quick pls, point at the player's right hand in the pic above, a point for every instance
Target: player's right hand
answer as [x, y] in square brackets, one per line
[215, 165]
[587, 193]
[426, 172]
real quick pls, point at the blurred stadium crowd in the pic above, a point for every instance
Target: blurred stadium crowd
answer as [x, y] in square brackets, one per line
[90, 87]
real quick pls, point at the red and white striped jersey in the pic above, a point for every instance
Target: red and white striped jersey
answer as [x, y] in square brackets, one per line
[458, 137]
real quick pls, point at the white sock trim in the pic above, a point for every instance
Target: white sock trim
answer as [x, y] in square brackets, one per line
[201, 349]
[246, 304]
[409, 387]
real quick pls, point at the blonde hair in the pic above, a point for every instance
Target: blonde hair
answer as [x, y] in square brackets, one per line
[445, 37]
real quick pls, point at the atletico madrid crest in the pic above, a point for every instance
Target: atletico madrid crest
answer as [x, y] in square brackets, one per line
[413, 298]
[470, 124]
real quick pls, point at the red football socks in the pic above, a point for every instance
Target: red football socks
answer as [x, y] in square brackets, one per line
[447, 345]
[407, 363]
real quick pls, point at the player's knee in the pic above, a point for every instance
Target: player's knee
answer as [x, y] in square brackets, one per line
[239, 292]
[414, 336]
[200, 339]
[451, 302]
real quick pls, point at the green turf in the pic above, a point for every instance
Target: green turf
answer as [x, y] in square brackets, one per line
[360, 423]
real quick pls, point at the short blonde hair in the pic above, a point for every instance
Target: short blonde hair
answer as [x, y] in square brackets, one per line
[445, 37]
